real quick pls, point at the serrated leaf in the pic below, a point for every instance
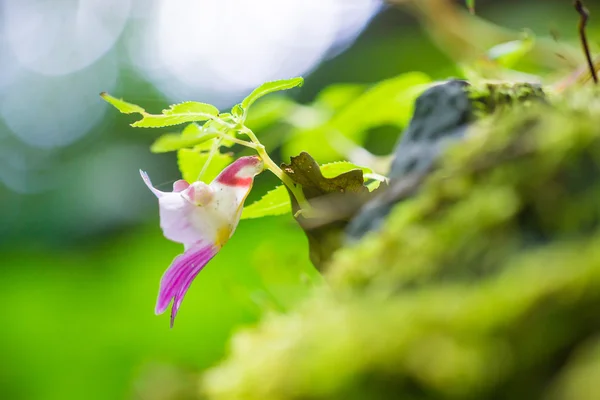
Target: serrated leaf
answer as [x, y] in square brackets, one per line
[191, 163]
[270, 87]
[275, 202]
[193, 107]
[122, 106]
[176, 141]
[335, 201]
[181, 113]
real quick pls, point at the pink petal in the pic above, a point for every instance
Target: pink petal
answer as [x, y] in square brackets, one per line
[179, 276]
[148, 183]
[241, 172]
[180, 185]
[201, 217]
[199, 193]
[175, 220]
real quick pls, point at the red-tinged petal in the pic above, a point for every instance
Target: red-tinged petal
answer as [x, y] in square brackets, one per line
[180, 185]
[179, 276]
[240, 173]
[233, 185]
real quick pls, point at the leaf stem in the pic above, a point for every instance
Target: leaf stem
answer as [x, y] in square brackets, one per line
[238, 141]
[213, 150]
[222, 122]
[271, 166]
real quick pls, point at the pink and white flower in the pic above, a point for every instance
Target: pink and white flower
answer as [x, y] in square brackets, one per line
[201, 217]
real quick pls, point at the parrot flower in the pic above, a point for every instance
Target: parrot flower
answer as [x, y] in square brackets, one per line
[201, 217]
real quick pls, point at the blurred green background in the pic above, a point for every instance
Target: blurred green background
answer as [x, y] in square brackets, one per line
[81, 252]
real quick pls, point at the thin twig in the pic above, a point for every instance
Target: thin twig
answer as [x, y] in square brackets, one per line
[583, 20]
[213, 150]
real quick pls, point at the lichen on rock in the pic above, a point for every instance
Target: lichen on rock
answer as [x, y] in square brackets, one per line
[484, 284]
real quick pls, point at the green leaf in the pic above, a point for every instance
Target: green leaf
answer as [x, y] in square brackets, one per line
[194, 130]
[270, 87]
[176, 141]
[122, 106]
[275, 202]
[510, 53]
[238, 112]
[335, 200]
[192, 107]
[373, 185]
[212, 127]
[390, 102]
[334, 169]
[268, 111]
[191, 163]
[335, 97]
[227, 117]
[188, 111]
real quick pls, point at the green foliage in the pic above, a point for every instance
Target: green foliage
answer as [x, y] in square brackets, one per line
[176, 141]
[122, 106]
[277, 201]
[192, 162]
[342, 116]
[189, 111]
[490, 97]
[266, 88]
[508, 54]
[333, 200]
[198, 147]
[337, 96]
[334, 169]
[486, 284]
[268, 111]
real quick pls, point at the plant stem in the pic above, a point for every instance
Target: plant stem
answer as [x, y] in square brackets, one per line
[584, 17]
[214, 148]
[240, 142]
[271, 166]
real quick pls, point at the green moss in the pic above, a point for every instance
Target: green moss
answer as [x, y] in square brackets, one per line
[489, 96]
[484, 285]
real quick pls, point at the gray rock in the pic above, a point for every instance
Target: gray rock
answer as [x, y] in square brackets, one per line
[442, 115]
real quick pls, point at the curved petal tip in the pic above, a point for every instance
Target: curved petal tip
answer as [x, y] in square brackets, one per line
[148, 183]
[180, 275]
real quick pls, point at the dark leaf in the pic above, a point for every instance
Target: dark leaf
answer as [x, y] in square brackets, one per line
[334, 201]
